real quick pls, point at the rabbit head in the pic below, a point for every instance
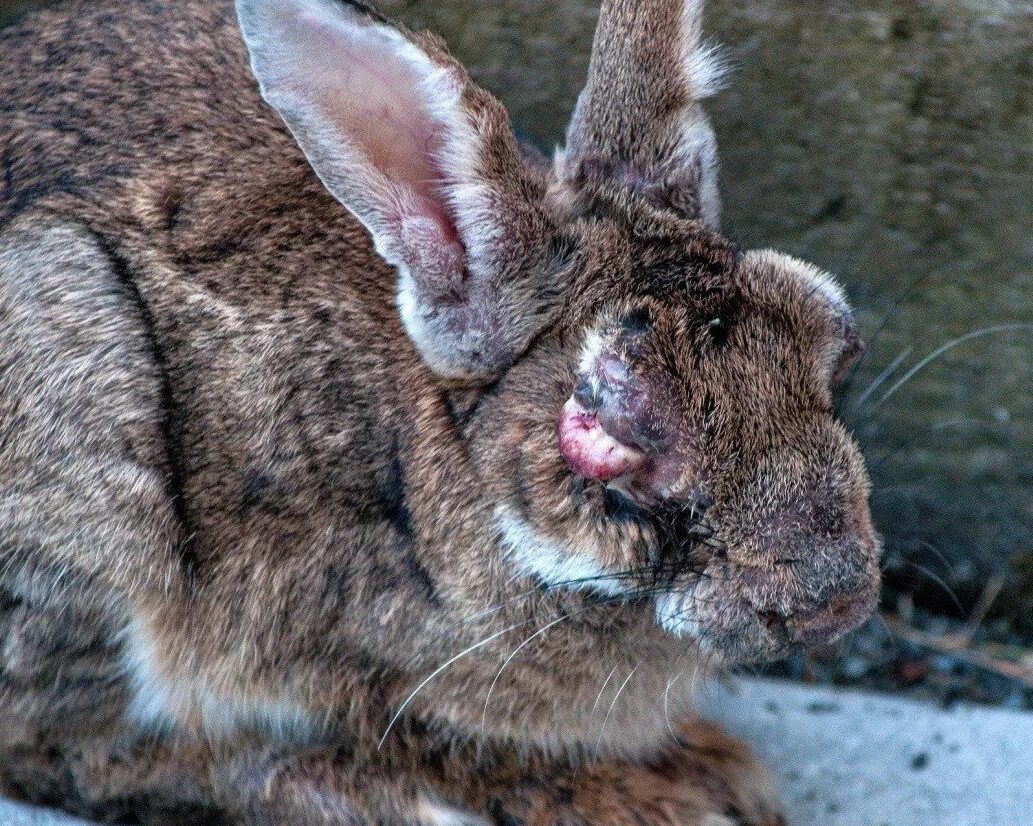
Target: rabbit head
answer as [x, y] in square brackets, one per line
[652, 407]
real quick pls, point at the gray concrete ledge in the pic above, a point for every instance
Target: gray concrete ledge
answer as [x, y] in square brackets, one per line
[17, 814]
[843, 758]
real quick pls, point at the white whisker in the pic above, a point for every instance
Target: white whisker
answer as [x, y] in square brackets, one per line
[943, 348]
[437, 671]
[613, 702]
[883, 376]
[509, 659]
[599, 696]
[667, 693]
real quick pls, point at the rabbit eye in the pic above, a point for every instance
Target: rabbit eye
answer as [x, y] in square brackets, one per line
[717, 329]
[637, 321]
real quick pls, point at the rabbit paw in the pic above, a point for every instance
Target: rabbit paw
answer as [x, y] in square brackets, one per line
[708, 779]
[260, 789]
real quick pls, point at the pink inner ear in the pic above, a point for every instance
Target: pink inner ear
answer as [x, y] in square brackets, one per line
[387, 120]
[377, 90]
[438, 262]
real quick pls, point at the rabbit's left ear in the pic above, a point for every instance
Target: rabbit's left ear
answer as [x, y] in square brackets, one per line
[427, 161]
[638, 122]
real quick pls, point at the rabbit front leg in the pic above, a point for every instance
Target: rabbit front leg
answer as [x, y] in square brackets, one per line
[323, 789]
[708, 778]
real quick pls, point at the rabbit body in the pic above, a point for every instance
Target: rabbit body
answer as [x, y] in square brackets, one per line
[257, 512]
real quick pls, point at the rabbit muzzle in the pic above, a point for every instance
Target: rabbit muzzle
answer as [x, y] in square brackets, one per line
[793, 558]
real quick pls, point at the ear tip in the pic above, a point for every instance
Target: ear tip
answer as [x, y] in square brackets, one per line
[366, 8]
[253, 9]
[708, 67]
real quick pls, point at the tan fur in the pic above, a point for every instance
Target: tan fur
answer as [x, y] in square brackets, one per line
[243, 519]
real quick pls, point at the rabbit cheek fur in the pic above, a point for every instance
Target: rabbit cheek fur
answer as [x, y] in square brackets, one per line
[495, 464]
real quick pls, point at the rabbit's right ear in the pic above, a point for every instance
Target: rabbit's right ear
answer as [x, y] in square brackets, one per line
[638, 123]
[426, 160]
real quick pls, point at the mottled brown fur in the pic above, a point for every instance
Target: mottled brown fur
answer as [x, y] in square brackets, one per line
[221, 454]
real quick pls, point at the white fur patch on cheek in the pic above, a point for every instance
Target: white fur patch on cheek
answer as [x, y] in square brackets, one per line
[433, 813]
[590, 352]
[548, 561]
[676, 613]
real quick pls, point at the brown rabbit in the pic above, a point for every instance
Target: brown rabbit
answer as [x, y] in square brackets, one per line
[427, 508]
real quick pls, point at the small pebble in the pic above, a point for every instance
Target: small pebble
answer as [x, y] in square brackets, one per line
[854, 668]
[911, 671]
[1014, 700]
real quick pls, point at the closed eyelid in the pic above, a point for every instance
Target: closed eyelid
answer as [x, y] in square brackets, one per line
[637, 321]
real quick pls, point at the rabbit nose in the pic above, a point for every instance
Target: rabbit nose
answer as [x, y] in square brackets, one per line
[829, 622]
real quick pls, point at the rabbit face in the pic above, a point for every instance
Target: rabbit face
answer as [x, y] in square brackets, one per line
[657, 423]
[673, 439]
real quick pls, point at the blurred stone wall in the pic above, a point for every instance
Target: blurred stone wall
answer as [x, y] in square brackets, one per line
[890, 141]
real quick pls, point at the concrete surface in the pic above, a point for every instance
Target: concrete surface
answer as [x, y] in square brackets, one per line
[849, 759]
[15, 814]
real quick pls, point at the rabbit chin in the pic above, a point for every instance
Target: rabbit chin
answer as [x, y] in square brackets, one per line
[550, 562]
[556, 565]
[721, 627]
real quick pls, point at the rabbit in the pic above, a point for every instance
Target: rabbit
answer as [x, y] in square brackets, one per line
[356, 466]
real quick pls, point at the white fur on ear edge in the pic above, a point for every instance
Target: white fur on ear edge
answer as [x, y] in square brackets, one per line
[822, 282]
[703, 63]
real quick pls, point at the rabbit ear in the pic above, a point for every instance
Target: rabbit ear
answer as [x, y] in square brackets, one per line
[638, 121]
[427, 162]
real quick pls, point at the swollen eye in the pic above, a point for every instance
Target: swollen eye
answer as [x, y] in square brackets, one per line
[637, 321]
[717, 329]
[634, 330]
[851, 349]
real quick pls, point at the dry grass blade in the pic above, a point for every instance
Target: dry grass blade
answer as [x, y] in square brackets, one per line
[955, 646]
[986, 600]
